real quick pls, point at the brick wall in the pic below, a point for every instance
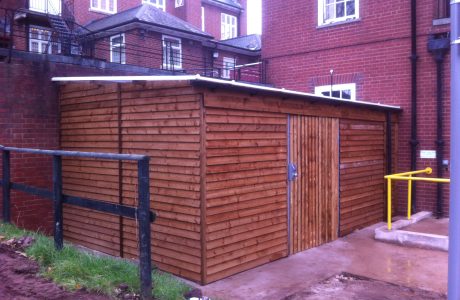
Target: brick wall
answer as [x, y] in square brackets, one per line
[29, 118]
[372, 52]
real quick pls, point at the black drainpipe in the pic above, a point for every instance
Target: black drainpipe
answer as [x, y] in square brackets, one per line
[439, 45]
[413, 58]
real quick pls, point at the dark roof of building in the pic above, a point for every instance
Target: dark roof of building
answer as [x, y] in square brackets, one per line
[251, 42]
[146, 14]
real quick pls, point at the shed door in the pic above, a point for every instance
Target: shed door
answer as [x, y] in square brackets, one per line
[313, 193]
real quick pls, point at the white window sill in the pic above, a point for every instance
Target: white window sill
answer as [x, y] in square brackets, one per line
[336, 23]
[438, 22]
[100, 11]
[168, 68]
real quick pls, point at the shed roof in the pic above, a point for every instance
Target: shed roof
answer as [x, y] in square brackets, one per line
[145, 13]
[234, 85]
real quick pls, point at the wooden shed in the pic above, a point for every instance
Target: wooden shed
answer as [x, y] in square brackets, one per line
[224, 160]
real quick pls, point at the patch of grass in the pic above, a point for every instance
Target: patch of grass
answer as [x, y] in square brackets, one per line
[75, 269]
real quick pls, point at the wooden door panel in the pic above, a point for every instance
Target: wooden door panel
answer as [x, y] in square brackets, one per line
[314, 193]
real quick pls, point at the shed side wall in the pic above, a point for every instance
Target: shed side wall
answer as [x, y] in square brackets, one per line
[161, 120]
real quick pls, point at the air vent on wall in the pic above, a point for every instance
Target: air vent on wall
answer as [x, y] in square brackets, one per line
[180, 3]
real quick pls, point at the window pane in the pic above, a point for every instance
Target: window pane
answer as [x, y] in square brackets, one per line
[351, 8]
[346, 94]
[336, 94]
[33, 33]
[34, 46]
[340, 10]
[117, 40]
[326, 93]
[329, 12]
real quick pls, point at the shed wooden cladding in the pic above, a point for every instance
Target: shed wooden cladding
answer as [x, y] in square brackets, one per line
[219, 171]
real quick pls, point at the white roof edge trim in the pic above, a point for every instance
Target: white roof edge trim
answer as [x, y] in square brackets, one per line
[197, 77]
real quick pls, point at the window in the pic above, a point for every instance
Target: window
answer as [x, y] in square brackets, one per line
[331, 11]
[179, 3]
[202, 19]
[172, 53]
[228, 27]
[40, 41]
[46, 6]
[160, 4]
[118, 49]
[107, 6]
[228, 67]
[442, 9]
[343, 91]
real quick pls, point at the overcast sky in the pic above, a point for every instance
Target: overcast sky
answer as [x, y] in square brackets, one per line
[254, 16]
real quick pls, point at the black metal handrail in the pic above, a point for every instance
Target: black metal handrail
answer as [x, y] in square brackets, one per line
[142, 212]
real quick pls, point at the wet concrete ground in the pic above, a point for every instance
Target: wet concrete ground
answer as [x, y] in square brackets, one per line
[430, 225]
[357, 253]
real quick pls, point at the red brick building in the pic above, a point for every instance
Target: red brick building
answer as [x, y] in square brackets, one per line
[392, 52]
[206, 37]
[40, 39]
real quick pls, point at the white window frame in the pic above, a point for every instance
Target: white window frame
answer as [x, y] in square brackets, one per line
[160, 4]
[166, 58]
[179, 3]
[117, 46]
[202, 19]
[228, 27]
[52, 7]
[322, 12]
[42, 41]
[103, 6]
[319, 90]
[228, 64]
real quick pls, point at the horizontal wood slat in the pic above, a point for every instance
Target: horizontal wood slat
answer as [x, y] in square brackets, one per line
[362, 167]
[245, 188]
[163, 123]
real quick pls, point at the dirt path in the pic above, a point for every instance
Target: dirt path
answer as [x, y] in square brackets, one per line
[19, 280]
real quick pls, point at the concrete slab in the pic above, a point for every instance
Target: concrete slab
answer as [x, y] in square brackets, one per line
[431, 225]
[400, 235]
[357, 253]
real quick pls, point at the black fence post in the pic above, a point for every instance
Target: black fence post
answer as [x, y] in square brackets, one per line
[57, 202]
[6, 186]
[145, 263]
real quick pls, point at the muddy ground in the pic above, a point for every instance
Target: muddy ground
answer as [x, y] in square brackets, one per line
[19, 280]
[350, 287]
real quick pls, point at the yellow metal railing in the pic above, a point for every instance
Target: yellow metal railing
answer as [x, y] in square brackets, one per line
[408, 177]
